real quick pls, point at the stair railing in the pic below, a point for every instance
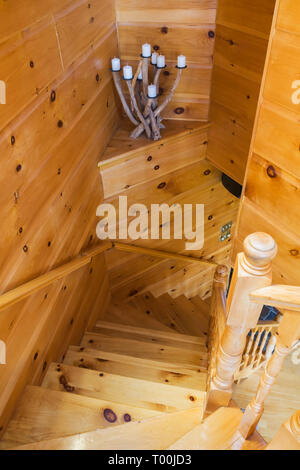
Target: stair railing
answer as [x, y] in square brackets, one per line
[252, 271]
[287, 299]
[260, 344]
[217, 320]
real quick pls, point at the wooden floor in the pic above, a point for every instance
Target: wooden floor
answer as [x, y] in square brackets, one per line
[282, 402]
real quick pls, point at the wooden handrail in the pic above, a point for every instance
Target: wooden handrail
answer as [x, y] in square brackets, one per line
[252, 271]
[19, 293]
[160, 253]
[279, 296]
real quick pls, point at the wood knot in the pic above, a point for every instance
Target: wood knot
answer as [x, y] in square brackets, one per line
[271, 172]
[127, 417]
[165, 30]
[12, 140]
[63, 381]
[109, 415]
[161, 185]
[207, 172]
[211, 34]
[52, 96]
[166, 73]
[179, 110]
[133, 292]
[156, 48]
[294, 252]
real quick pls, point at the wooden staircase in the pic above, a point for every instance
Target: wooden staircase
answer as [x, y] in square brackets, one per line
[157, 373]
[142, 363]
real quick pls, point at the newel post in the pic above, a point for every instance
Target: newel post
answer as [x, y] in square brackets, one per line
[252, 270]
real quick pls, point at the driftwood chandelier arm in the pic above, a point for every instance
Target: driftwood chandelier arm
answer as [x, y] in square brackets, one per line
[144, 110]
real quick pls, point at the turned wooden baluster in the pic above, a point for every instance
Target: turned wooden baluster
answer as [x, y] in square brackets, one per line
[287, 335]
[217, 315]
[288, 436]
[252, 271]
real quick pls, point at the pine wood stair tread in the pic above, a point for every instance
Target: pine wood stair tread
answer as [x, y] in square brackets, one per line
[131, 314]
[158, 351]
[195, 323]
[121, 389]
[157, 433]
[121, 145]
[48, 414]
[182, 315]
[140, 368]
[217, 432]
[169, 338]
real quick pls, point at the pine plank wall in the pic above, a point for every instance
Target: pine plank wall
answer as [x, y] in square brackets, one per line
[60, 114]
[242, 34]
[271, 195]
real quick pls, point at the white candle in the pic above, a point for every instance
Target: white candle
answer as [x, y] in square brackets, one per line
[152, 91]
[116, 64]
[161, 61]
[140, 76]
[181, 61]
[127, 72]
[146, 50]
[154, 58]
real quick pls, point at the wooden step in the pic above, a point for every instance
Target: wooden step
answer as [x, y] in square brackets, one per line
[129, 366]
[48, 414]
[121, 389]
[215, 433]
[157, 351]
[130, 314]
[157, 433]
[126, 162]
[196, 324]
[193, 343]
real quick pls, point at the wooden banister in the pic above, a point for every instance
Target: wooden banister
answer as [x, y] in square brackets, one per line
[160, 253]
[279, 296]
[287, 336]
[252, 271]
[260, 345]
[21, 292]
[288, 436]
[217, 321]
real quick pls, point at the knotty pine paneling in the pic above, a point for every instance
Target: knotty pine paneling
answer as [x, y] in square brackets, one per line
[60, 114]
[271, 197]
[194, 183]
[242, 34]
[37, 330]
[173, 27]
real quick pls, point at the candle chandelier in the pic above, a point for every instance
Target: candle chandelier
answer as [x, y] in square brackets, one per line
[144, 110]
